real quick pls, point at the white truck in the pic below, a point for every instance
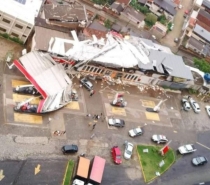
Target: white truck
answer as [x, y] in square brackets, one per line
[186, 149]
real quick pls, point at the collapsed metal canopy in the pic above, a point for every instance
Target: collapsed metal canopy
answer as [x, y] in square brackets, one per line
[48, 77]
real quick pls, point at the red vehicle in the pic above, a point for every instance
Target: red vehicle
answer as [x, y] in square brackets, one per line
[116, 155]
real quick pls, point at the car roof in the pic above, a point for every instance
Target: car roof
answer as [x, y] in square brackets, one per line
[117, 151]
[69, 147]
[162, 137]
[189, 147]
[138, 129]
[129, 147]
[89, 83]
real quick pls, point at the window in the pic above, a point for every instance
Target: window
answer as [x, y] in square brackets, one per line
[2, 29]
[19, 26]
[14, 34]
[24, 36]
[28, 27]
[5, 20]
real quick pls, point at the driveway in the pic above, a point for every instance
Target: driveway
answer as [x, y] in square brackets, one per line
[178, 23]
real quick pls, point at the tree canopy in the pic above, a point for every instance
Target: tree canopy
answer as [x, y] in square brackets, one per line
[150, 19]
[202, 65]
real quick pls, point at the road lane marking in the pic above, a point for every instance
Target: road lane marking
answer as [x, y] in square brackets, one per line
[1, 174]
[203, 145]
[28, 118]
[37, 169]
[73, 105]
[16, 83]
[152, 116]
[119, 111]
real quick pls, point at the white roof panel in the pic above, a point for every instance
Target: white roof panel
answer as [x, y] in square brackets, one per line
[24, 10]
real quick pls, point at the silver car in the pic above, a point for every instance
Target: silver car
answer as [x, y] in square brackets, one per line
[207, 109]
[135, 132]
[116, 122]
[128, 150]
[88, 85]
[195, 106]
[159, 139]
[186, 105]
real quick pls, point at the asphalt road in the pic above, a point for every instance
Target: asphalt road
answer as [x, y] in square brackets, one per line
[23, 172]
[119, 175]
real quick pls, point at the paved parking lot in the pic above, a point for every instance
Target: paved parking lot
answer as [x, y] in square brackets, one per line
[181, 127]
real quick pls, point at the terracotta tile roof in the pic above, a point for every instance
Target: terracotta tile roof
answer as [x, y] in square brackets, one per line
[125, 2]
[177, 2]
[205, 26]
[204, 17]
[89, 32]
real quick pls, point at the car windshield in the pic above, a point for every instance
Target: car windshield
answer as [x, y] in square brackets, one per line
[129, 149]
[117, 121]
[198, 159]
[128, 152]
[160, 137]
[135, 131]
[188, 147]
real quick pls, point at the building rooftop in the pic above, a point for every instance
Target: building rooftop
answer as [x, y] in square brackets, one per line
[199, 2]
[25, 10]
[203, 33]
[43, 23]
[206, 3]
[73, 13]
[167, 5]
[117, 6]
[203, 16]
[125, 2]
[130, 52]
[167, 63]
[131, 11]
[116, 27]
[43, 37]
[195, 43]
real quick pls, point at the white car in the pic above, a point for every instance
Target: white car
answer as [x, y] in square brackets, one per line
[186, 104]
[172, 26]
[195, 106]
[116, 122]
[159, 139]
[186, 149]
[135, 132]
[128, 150]
[207, 109]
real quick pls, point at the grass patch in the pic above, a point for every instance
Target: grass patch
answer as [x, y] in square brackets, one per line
[69, 172]
[150, 161]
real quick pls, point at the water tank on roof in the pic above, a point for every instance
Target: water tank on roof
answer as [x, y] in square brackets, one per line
[207, 77]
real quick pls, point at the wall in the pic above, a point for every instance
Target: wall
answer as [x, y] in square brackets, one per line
[14, 26]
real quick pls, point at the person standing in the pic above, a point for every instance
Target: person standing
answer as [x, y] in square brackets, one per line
[94, 125]
[92, 92]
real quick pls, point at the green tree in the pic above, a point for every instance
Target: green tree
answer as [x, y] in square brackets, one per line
[162, 19]
[202, 65]
[99, 2]
[108, 24]
[150, 19]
